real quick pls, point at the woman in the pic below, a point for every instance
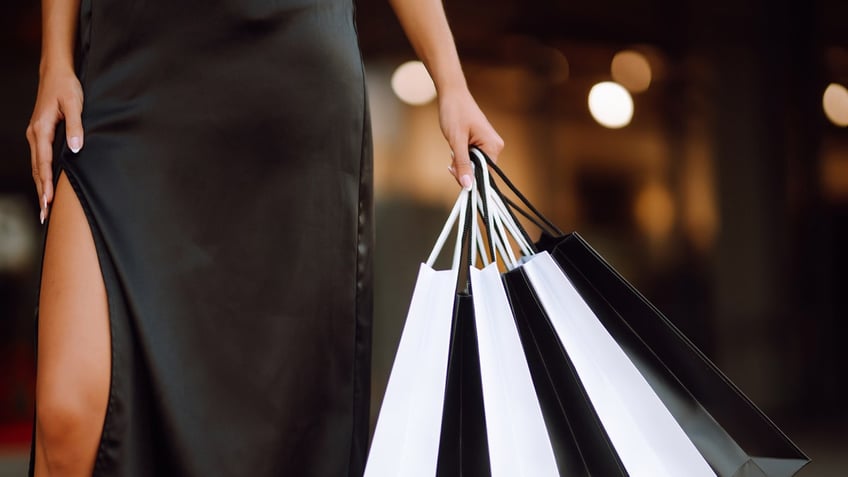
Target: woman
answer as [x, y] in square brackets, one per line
[205, 297]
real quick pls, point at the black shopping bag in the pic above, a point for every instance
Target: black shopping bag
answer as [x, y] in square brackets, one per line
[463, 450]
[730, 432]
[581, 445]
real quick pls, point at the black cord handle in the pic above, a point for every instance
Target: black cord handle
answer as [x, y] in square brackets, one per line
[548, 227]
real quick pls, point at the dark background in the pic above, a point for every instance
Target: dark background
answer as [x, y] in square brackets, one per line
[725, 200]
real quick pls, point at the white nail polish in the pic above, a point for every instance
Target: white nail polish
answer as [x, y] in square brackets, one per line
[466, 182]
[75, 144]
[41, 217]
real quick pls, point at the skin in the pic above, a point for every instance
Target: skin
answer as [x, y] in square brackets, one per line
[59, 95]
[461, 120]
[74, 359]
[74, 356]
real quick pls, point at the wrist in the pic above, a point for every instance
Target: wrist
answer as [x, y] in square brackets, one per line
[55, 65]
[452, 88]
[449, 79]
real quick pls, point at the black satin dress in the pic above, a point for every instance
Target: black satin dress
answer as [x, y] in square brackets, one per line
[227, 180]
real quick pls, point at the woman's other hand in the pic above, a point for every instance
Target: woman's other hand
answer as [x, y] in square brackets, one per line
[464, 125]
[59, 98]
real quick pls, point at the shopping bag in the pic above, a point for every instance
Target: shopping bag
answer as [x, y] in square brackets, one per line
[519, 445]
[580, 442]
[736, 437]
[492, 423]
[646, 438]
[518, 441]
[463, 449]
[731, 434]
[406, 437]
[643, 432]
[469, 410]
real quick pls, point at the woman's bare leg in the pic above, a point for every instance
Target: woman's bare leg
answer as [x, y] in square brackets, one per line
[74, 344]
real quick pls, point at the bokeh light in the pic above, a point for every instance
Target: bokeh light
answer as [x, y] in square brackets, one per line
[611, 105]
[835, 104]
[654, 211]
[17, 235]
[412, 83]
[632, 70]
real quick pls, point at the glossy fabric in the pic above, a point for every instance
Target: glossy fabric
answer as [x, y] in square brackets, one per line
[226, 176]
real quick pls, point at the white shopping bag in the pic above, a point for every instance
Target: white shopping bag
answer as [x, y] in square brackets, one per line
[406, 438]
[646, 437]
[519, 445]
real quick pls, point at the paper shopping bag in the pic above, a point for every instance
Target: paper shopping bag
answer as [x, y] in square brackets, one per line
[630, 419]
[519, 444]
[407, 435]
[732, 433]
[734, 436]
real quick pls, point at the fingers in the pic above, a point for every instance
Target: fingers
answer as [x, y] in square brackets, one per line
[72, 111]
[47, 190]
[492, 145]
[60, 97]
[461, 166]
[36, 177]
[41, 141]
[462, 170]
[44, 160]
[464, 125]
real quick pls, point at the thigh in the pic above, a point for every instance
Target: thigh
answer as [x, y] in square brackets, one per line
[74, 344]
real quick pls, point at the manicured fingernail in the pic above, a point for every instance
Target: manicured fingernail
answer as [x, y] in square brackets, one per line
[44, 200]
[75, 143]
[465, 181]
[41, 216]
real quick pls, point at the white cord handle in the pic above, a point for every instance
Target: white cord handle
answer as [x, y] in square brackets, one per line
[501, 226]
[501, 223]
[457, 215]
[486, 188]
[525, 247]
[503, 242]
[477, 235]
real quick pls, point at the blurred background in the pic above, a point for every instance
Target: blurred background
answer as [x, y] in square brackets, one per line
[700, 146]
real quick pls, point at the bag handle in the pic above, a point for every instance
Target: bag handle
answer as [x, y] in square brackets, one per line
[462, 214]
[501, 224]
[458, 213]
[479, 158]
[501, 230]
[537, 218]
[514, 228]
[495, 225]
[498, 218]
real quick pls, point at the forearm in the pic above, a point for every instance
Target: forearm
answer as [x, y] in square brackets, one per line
[426, 26]
[59, 28]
